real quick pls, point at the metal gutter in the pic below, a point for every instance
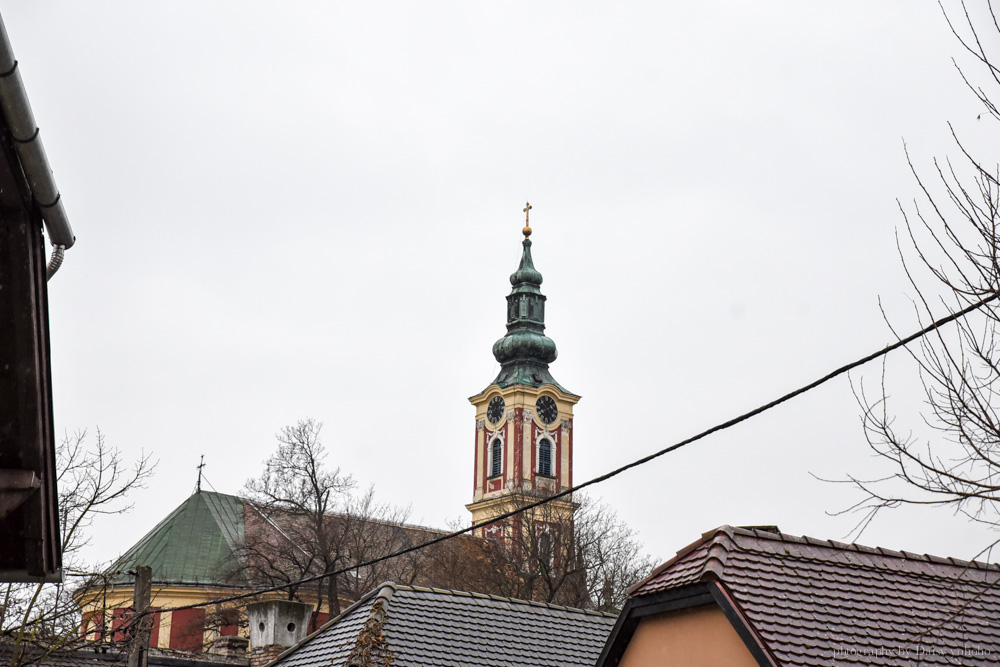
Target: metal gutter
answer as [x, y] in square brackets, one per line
[28, 144]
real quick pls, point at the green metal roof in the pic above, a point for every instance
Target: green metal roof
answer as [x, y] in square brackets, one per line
[525, 352]
[195, 544]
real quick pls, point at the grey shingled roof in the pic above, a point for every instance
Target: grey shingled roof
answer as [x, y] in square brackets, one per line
[425, 626]
[819, 602]
[115, 656]
[331, 644]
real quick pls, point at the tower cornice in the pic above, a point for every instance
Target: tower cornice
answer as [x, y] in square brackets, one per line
[556, 390]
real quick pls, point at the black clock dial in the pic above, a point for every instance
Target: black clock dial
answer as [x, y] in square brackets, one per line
[495, 410]
[547, 410]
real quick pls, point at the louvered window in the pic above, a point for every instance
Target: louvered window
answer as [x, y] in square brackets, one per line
[545, 458]
[496, 458]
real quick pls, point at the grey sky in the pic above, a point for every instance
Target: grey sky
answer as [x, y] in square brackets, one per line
[311, 209]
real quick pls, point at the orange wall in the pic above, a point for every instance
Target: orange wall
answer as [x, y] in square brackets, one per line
[698, 637]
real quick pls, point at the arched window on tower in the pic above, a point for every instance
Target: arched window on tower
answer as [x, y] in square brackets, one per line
[545, 458]
[496, 458]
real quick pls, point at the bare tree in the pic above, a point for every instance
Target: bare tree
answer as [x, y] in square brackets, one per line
[950, 454]
[312, 521]
[611, 554]
[370, 530]
[93, 479]
[577, 554]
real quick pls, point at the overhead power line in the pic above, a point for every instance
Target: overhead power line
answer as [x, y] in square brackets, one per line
[613, 473]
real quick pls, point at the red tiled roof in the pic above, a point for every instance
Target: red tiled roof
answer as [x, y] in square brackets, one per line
[818, 602]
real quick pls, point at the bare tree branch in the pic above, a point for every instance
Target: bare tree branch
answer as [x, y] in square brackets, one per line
[950, 454]
[93, 479]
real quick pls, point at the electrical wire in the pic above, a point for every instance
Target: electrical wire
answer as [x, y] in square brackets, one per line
[613, 473]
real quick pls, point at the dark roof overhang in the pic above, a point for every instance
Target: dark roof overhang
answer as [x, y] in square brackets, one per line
[29, 198]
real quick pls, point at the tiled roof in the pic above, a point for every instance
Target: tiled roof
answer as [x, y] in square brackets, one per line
[333, 643]
[426, 626]
[818, 602]
[193, 545]
[112, 656]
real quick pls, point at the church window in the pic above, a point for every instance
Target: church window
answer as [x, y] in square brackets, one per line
[496, 458]
[545, 458]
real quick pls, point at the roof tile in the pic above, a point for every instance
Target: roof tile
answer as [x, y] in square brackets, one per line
[425, 627]
[819, 602]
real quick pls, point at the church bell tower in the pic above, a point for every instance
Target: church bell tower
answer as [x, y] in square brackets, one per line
[524, 418]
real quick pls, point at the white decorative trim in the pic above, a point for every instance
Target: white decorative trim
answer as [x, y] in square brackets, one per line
[510, 414]
[567, 424]
[493, 532]
[480, 424]
[528, 414]
[550, 435]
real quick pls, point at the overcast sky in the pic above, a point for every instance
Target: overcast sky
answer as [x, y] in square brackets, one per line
[311, 209]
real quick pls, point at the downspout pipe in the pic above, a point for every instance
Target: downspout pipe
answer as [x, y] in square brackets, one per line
[28, 144]
[55, 261]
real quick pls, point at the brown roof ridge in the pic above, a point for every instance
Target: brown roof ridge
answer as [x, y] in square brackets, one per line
[495, 598]
[263, 509]
[706, 558]
[715, 562]
[720, 534]
[263, 515]
[858, 548]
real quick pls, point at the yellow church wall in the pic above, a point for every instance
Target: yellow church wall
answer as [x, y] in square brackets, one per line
[165, 597]
[480, 462]
[697, 637]
[91, 605]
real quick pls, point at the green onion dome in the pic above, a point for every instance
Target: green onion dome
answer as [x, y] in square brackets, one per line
[525, 346]
[526, 273]
[525, 352]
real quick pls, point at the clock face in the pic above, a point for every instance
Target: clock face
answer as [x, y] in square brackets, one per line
[495, 410]
[547, 410]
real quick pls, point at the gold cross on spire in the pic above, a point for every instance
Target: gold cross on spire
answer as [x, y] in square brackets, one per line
[527, 228]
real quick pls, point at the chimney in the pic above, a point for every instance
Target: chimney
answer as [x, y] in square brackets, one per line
[230, 646]
[275, 625]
